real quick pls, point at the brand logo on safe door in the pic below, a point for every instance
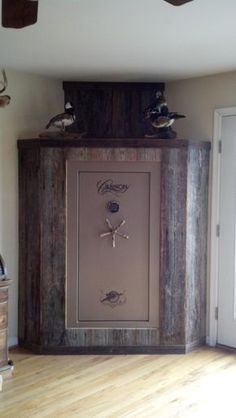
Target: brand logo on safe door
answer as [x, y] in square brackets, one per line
[108, 186]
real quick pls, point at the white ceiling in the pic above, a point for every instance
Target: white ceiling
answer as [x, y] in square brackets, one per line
[124, 40]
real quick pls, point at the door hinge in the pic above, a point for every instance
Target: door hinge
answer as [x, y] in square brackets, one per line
[216, 313]
[220, 147]
[218, 230]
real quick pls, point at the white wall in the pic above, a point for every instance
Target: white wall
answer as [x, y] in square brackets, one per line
[197, 98]
[34, 100]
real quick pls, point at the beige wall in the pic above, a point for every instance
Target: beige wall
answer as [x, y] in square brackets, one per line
[197, 98]
[34, 100]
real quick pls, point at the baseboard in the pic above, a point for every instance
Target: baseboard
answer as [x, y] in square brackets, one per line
[12, 341]
[195, 344]
[38, 349]
[226, 347]
[210, 341]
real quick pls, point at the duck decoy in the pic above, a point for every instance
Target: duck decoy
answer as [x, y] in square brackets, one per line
[5, 99]
[63, 120]
[164, 121]
[158, 106]
[160, 118]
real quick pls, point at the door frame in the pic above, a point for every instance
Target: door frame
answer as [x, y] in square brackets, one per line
[215, 218]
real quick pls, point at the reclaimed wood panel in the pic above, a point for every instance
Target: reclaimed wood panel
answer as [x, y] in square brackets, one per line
[110, 110]
[184, 175]
[29, 246]
[196, 245]
[53, 251]
[53, 241]
[173, 245]
[74, 141]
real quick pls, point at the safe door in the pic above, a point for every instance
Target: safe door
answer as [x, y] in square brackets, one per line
[113, 212]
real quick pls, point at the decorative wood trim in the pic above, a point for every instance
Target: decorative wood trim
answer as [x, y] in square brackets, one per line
[156, 349]
[58, 142]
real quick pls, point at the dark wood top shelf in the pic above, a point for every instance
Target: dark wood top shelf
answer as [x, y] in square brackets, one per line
[58, 142]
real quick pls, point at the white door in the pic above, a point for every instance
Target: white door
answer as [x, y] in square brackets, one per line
[227, 239]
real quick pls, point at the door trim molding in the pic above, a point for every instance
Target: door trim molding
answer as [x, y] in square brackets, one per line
[215, 206]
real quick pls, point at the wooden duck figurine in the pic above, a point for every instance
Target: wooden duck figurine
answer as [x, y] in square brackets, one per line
[4, 99]
[164, 121]
[63, 120]
[160, 118]
[159, 105]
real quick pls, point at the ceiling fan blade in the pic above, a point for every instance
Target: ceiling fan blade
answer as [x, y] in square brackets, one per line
[177, 2]
[19, 13]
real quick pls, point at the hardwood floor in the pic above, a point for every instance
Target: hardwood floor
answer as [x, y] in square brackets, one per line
[200, 384]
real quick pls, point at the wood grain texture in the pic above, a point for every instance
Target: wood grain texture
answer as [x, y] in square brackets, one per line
[112, 338]
[184, 246]
[184, 188]
[196, 244]
[53, 241]
[173, 245]
[53, 203]
[199, 384]
[72, 142]
[29, 246]
[110, 110]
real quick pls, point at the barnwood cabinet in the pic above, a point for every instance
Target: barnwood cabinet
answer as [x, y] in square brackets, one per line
[182, 249]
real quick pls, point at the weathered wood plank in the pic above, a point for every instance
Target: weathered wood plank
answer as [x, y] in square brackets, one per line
[29, 246]
[110, 110]
[173, 244]
[196, 244]
[72, 142]
[53, 242]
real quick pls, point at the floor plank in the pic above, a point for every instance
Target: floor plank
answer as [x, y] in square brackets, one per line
[196, 385]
